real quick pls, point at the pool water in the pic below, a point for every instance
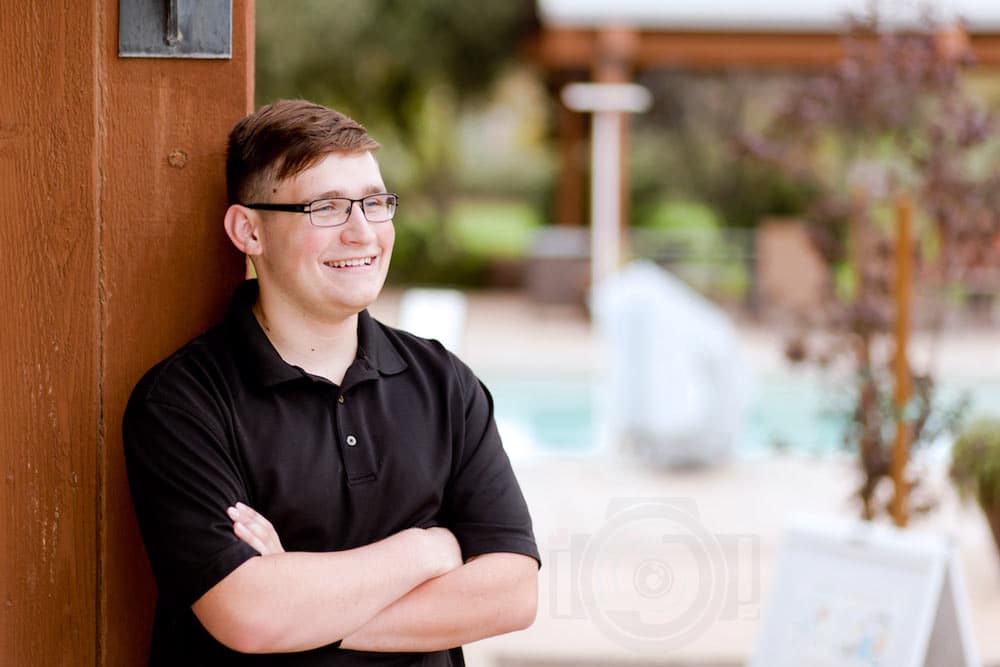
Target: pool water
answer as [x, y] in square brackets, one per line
[549, 416]
[788, 413]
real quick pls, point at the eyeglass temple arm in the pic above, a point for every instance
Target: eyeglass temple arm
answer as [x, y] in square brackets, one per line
[290, 208]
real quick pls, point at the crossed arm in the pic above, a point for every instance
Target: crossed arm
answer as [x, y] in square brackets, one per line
[408, 592]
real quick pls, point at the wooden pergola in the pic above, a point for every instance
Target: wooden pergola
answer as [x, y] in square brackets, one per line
[586, 40]
[612, 42]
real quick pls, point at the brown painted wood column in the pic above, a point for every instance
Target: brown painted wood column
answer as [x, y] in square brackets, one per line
[112, 254]
[571, 127]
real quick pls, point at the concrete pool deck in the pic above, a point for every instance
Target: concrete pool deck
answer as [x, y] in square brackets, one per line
[745, 502]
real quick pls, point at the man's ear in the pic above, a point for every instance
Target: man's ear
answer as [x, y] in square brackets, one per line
[241, 227]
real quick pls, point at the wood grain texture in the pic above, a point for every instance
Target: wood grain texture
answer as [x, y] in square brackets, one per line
[167, 268]
[111, 255]
[48, 361]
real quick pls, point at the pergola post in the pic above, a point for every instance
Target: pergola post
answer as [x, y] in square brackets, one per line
[571, 129]
[608, 102]
[615, 50]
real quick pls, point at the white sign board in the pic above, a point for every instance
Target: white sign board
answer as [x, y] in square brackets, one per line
[851, 594]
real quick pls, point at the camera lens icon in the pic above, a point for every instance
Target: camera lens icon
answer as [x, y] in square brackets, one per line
[653, 577]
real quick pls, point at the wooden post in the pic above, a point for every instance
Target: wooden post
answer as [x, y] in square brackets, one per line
[901, 367]
[112, 254]
[571, 127]
[48, 363]
[607, 102]
[615, 49]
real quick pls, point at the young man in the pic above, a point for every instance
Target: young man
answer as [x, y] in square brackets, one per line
[395, 530]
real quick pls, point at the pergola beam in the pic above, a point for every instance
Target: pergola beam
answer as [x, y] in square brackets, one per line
[611, 53]
[577, 49]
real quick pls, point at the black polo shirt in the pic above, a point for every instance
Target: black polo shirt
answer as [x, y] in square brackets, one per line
[408, 439]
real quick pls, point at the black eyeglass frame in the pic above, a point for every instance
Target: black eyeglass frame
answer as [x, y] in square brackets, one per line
[307, 208]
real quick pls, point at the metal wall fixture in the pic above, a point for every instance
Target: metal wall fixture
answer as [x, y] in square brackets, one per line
[175, 28]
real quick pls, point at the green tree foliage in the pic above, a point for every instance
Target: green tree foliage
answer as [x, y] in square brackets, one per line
[379, 59]
[694, 128]
[407, 69]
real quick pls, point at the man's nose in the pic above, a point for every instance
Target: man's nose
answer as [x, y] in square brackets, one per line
[357, 229]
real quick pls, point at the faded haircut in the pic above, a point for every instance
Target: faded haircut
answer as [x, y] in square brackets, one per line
[283, 139]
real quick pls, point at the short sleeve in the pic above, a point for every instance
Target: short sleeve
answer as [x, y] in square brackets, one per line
[182, 477]
[487, 511]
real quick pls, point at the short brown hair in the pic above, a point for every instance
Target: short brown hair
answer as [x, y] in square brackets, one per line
[283, 139]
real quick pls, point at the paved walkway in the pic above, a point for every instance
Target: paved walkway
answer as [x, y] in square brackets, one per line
[745, 503]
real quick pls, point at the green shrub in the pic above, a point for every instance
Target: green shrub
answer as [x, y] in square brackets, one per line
[975, 464]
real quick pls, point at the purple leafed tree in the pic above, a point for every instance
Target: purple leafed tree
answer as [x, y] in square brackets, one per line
[892, 118]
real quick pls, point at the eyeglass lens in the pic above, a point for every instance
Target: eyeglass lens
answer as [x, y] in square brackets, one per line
[335, 211]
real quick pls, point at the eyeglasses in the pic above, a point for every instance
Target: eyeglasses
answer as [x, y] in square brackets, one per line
[335, 211]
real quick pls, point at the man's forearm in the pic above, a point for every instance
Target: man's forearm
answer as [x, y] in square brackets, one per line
[297, 601]
[490, 595]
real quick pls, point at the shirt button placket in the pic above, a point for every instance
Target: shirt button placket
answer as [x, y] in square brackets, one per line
[351, 439]
[359, 458]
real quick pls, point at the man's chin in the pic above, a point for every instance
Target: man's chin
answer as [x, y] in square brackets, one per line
[356, 302]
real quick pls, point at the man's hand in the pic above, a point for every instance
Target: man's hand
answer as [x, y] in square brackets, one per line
[455, 603]
[251, 527]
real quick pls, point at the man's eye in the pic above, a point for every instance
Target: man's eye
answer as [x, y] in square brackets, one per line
[327, 208]
[380, 202]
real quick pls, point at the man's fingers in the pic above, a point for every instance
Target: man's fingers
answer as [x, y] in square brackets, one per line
[259, 530]
[244, 533]
[254, 529]
[257, 537]
[250, 514]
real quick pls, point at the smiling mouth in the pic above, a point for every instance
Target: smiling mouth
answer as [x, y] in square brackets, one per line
[348, 263]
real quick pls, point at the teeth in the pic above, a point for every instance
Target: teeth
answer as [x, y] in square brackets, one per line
[344, 263]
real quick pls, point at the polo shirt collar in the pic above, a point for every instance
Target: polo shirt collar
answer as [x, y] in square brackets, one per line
[375, 348]
[258, 358]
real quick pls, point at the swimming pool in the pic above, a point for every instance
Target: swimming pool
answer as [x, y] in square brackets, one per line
[787, 413]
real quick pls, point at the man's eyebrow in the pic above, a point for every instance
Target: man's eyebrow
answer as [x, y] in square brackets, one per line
[369, 190]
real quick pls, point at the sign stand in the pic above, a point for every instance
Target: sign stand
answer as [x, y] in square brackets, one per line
[850, 594]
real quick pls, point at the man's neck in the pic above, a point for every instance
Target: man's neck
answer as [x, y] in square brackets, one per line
[320, 347]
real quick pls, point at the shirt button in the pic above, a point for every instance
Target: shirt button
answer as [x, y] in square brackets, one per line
[340, 399]
[351, 441]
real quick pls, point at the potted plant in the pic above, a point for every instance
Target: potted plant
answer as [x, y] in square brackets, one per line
[975, 468]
